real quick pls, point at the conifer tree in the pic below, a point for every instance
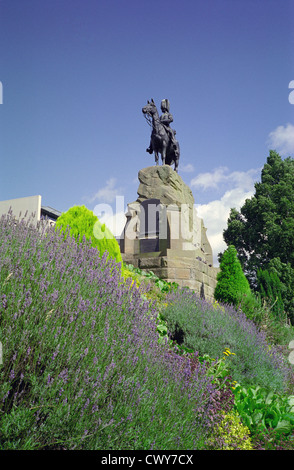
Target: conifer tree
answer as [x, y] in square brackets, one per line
[232, 284]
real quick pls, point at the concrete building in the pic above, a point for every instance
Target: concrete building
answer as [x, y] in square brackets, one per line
[26, 207]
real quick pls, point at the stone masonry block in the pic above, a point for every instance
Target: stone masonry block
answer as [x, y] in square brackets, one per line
[177, 262]
[197, 275]
[130, 260]
[211, 282]
[209, 293]
[175, 254]
[183, 273]
[205, 279]
[148, 263]
[164, 273]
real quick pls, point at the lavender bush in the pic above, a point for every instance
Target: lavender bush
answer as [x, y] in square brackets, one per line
[82, 365]
[210, 328]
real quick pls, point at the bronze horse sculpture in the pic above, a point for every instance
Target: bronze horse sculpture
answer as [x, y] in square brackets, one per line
[162, 136]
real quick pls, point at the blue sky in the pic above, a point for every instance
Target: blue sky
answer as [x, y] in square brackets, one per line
[75, 75]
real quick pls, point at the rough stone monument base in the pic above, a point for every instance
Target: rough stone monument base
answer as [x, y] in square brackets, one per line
[164, 234]
[184, 270]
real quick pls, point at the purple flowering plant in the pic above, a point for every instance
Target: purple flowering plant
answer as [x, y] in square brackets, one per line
[211, 328]
[82, 364]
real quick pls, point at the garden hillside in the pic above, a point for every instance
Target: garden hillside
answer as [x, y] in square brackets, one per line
[97, 355]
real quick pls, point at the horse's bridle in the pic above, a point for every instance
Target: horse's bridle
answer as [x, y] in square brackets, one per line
[148, 118]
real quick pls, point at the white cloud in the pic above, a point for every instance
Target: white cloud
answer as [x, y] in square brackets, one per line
[209, 180]
[220, 176]
[189, 168]
[108, 193]
[239, 187]
[282, 139]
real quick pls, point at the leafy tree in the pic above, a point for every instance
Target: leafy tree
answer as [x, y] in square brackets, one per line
[262, 231]
[80, 222]
[264, 227]
[232, 284]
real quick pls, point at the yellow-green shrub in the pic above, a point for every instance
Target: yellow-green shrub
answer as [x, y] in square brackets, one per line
[80, 222]
[232, 434]
[127, 274]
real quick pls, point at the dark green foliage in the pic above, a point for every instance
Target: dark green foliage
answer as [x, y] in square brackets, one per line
[264, 227]
[251, 304]
[80, 222]
[232, 284]
[262, 231]
[260, 409]
[285, 272]
[270, 288]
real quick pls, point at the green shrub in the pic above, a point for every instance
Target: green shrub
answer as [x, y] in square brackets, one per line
[286, 276]
[253, 308]
[127, 274]
[232, 434]
[80, 222]
[157, 288]
[270, 288]
[13, 429]
[262, 410]
[231, 281]
[277, 331]
[163, 285]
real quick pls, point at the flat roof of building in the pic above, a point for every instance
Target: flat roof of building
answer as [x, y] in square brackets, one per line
[50, 212]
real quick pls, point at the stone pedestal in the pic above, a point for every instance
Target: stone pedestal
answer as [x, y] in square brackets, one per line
[163, 232]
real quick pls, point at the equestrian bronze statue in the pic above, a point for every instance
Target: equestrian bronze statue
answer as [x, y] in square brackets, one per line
[163, 139]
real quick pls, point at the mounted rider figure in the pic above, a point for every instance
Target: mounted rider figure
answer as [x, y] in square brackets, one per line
[166, 118]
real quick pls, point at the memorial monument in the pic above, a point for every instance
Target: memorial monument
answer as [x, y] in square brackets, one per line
[163, 138]
[163, 232]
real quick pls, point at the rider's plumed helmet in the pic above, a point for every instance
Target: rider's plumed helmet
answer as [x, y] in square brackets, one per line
[165, 105]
